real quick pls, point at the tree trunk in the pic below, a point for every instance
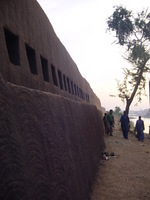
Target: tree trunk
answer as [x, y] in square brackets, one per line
[128, 103]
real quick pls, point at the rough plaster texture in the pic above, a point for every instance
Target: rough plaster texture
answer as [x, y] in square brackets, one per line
[26, 20]
[50, 146]
[50, 139]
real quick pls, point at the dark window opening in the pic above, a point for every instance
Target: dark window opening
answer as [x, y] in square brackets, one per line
[75, 89]
[44, 63]
[80, 93]
[64, 78]
[31, 59]
[68, 82]
[60, 79]
[87, 98]
[84, 96]
[72, 87]
[12, 43]
[54, 75]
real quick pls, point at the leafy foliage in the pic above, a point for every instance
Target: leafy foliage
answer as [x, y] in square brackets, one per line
[121, 23]
[117, 111]
[133, 33]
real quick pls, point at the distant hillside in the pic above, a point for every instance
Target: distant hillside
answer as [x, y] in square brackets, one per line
[143, 113]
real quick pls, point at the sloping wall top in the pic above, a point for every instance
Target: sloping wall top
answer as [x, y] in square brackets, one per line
[31, 54]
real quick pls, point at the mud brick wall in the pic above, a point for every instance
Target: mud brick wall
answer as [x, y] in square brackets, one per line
[49, 146]
[32, 55]
[51, 127]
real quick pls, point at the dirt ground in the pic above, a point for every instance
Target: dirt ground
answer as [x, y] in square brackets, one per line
[125, 176]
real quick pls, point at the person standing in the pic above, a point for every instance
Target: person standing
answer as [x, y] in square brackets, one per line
[105, 123]
[110, 120]
[125, 124]
[139, 127]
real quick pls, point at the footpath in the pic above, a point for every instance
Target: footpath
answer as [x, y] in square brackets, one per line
[126, 175]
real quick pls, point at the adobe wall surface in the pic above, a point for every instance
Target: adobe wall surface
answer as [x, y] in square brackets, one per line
[51, 136]
[31, 29]
[50, 146]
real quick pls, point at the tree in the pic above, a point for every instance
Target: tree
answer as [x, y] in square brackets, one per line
[117, 111]
[133, 34]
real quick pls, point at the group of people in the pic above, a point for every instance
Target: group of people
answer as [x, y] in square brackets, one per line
[125, 125]
[109, 122]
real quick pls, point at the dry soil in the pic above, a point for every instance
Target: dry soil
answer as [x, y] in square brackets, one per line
[125, 176]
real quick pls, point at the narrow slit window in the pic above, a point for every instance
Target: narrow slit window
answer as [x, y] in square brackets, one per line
[68, 83]
[31, 59]
[12, 43]
[83, 96]
[54, 75]
[88, 98]
[72, 87]
[44, 64]
[75, 89]
[60, 79]
[80, 95]
[64, 78]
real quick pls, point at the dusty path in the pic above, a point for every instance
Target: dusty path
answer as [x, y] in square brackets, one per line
[126, 176]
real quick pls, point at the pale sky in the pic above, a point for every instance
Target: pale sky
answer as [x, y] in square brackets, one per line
[81, 27]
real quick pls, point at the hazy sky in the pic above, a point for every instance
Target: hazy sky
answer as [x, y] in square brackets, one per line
[81, 27]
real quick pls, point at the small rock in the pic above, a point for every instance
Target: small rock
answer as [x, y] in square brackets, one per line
[111, 153]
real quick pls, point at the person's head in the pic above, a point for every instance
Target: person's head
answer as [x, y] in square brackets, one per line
[139, 117]
[125, 112]
[111, 111]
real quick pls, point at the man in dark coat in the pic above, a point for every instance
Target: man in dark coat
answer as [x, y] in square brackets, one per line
[139, 127]
[125, 124]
